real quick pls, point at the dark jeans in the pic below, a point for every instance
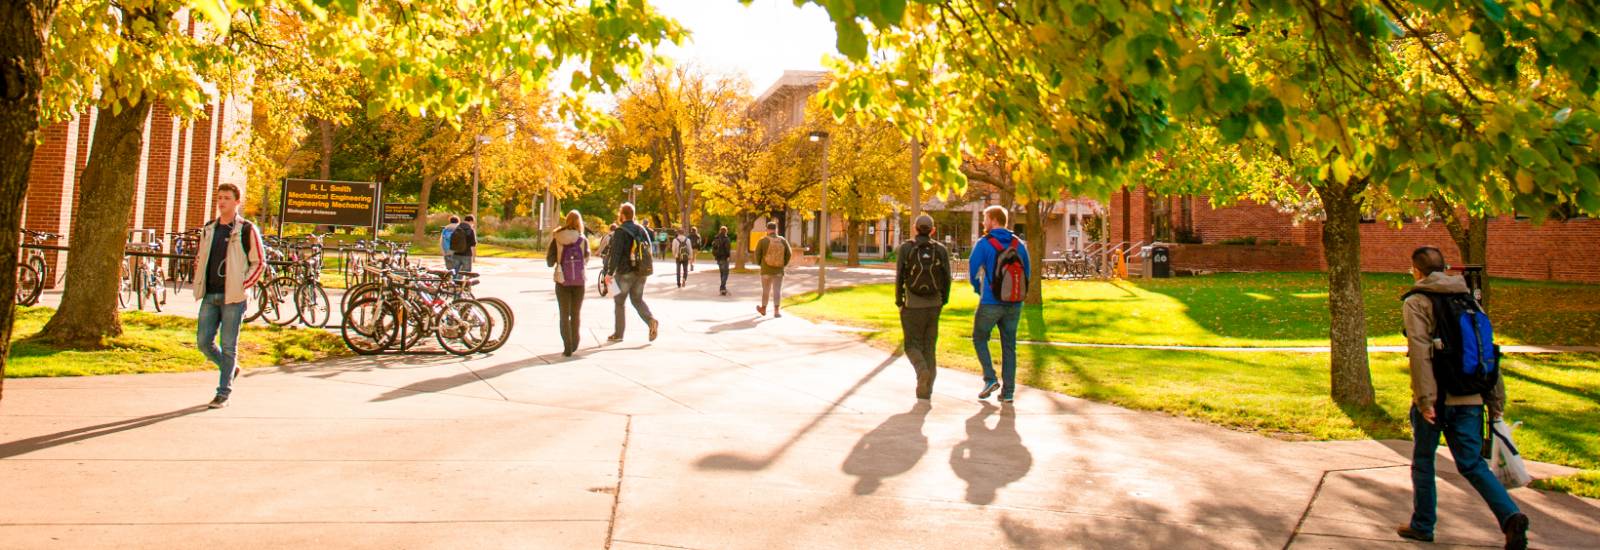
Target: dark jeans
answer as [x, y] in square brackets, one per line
[683, 271]
[569, 300]
[1462, 427]
[722, 267]
[920, 327]
[630, 287]
[1006, 316]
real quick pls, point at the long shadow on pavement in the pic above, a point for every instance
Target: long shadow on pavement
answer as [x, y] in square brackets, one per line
[890, 449]
[729, 461]
[25, 446]
[990, 458]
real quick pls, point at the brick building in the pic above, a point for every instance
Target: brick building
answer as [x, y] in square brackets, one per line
[180, 166]
[1555, 250]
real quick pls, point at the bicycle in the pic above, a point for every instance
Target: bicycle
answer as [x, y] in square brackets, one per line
[34, 259]
[408, 305]
[143, 280]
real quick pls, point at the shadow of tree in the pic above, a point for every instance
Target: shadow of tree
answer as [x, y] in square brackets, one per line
[25, 446]
[740, 462]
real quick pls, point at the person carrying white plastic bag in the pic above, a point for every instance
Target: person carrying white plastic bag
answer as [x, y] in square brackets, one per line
[1504, 458]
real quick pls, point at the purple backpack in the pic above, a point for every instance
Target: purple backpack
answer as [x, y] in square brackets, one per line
[572, 256]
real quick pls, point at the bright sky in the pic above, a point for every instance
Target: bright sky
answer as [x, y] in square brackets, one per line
[760, 40]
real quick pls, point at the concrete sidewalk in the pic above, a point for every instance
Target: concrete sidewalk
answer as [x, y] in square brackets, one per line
[727, 432]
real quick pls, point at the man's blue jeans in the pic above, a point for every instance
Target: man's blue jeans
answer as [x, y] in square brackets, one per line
[1007, 316]
[215, 315]
[1462, 427]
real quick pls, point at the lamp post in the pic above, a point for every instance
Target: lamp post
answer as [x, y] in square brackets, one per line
[822, 217]
[480, 140]
[633, 194]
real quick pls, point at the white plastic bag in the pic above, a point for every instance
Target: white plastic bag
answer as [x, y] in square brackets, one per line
[1504, 458]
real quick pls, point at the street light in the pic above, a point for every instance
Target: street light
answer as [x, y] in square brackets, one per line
[822, 216]
[633, 194]
[483, 140]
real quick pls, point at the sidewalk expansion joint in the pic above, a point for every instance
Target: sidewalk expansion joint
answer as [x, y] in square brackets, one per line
[1312, 502]
[622, 468]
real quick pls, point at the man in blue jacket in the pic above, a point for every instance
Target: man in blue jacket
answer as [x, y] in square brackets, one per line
[992, 310]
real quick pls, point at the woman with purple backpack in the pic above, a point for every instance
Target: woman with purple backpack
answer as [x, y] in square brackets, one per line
[569, 255]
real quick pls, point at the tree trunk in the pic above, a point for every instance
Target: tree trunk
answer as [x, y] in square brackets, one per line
[88, 313]
[508, 209]
[680, 179]
[741, 253]
[852, 245]
[1037, 238]
[1471, 235]
[1347, 331]
[916, 181]
[419, 227]
[326, 129]
[22, 27]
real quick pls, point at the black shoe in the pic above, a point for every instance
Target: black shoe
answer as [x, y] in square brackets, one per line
[218, 402]
[1406, 532]
[1516, 530]
[988, 390]
[655, 328]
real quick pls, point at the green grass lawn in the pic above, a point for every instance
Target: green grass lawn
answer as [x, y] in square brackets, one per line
[158, 343]
[1247, 309]
[485, 250]
[1284, 395]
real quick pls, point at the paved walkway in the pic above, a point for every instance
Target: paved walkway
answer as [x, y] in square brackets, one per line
[1302, 349]
[727, 432]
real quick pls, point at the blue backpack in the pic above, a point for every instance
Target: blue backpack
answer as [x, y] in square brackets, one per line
[444, 238]
[1468, 363]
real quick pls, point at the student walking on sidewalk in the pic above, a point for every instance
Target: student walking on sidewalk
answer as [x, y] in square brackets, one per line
[629, 265]
[683, 255]
[569, 255]
[1449, 392]
[921, 290]
[774, 254]
[464, 244]
[1001, 258]
[721, 249]
[694, 245]
[444, 242]
[233, 257]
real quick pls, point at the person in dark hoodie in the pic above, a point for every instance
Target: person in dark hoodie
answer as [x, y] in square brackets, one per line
[992, 311]
[1459, 418]
[921, 290]
[620, 268]
[569, 255]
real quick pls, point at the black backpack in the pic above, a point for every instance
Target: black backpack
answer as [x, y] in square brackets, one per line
[1468, 363]
[922, 273]
[639, 259]
[719, 247]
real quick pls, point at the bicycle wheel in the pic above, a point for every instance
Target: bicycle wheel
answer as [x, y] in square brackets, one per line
[252, 303]
[37, 263]
[369, 326]
[501, 320]
[354, 292]
[464, 327]
[277, 302]
[312, 302]
[28, 285]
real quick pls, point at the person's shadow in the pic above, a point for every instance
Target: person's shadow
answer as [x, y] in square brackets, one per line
[990, 459]
[889, 450]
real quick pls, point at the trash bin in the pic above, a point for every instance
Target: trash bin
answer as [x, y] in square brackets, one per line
[1160, 262]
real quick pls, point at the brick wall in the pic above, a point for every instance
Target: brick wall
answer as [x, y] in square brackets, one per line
[158, 173]
[1239, 257]
[1555, 250]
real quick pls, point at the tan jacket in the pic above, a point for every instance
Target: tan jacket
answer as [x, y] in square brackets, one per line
[1418, 322]
[252, 265]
